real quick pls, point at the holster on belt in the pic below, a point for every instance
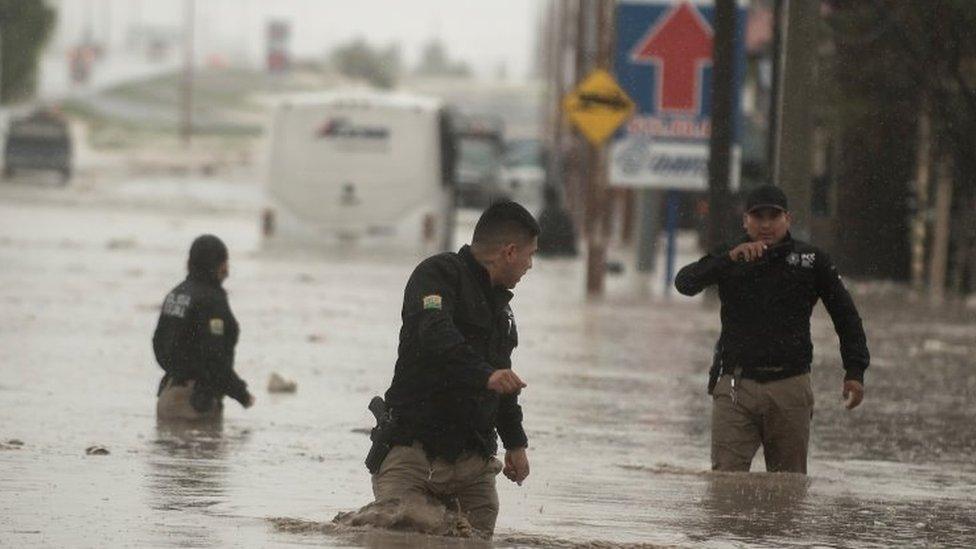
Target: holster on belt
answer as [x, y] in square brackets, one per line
[715, 371]
[381, 435]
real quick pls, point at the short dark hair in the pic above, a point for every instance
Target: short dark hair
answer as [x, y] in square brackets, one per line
[503, 223]
[207, 253]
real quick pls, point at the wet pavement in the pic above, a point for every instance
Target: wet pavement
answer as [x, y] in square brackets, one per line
[616, 409]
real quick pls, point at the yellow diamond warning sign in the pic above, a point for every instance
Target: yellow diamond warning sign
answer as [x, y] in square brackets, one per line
[598, 106]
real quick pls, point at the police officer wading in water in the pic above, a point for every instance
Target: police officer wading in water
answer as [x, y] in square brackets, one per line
[768, 284]
[453, 385]
[195, 338]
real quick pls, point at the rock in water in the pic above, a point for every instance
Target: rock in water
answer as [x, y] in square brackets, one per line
[96, 451]
[278, 384]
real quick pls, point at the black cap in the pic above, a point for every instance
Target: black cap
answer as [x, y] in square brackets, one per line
[207, 253]
[767, 196]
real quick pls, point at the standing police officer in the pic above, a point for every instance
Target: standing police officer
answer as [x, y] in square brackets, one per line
[195, 339]
[453, 384]
[768, 284]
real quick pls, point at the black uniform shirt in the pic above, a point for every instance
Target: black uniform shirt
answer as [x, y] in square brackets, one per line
[457, 330]
[766, 308]
[195, 338]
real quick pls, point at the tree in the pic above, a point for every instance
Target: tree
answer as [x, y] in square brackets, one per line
[892, 62]
[25, 26]
[358, 59]
[434, 61]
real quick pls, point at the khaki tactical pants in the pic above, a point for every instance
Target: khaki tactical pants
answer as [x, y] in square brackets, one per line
[775, 415]
[174, 403]
[470, 481]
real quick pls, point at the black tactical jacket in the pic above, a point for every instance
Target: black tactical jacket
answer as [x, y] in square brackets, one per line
[766, 308]
[195, 338]
[456, 331]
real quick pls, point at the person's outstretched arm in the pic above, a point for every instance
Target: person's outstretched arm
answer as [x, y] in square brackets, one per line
[847, 323]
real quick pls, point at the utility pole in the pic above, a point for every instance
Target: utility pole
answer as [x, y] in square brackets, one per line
[923, 166]
[578, 161]
[107, 26]
[597, 233]
[556, 25]
[775, 92]
[720, 140]
[796, 91]
[1, 68]
[186, 104]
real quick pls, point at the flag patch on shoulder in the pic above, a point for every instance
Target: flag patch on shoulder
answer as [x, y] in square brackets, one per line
[432, 302]
[217, 326]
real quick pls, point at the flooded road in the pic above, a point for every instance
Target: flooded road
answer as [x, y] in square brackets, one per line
[616, 410]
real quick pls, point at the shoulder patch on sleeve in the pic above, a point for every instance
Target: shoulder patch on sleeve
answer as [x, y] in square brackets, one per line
[217, 326]
[176, 305]
[432, 302]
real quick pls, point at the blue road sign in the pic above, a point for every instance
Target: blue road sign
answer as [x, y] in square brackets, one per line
[664, 63]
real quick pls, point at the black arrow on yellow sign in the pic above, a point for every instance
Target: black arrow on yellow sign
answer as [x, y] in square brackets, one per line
[598, 106]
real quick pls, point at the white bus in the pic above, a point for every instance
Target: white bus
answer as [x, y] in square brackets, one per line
[361, 169]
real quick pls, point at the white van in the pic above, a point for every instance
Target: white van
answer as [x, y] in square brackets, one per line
[361, 169]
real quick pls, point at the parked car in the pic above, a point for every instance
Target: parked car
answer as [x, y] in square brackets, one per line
[524, 173]
[39, 141]
[480, 158]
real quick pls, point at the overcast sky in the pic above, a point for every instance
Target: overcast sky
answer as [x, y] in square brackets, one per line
[484, 33]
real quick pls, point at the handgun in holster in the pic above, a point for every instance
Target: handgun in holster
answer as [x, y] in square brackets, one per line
[715, 371]
[381, 435]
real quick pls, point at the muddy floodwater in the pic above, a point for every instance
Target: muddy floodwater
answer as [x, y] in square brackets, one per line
[615, 410]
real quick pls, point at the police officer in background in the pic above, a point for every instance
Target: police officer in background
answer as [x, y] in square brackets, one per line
[453, 383]
[195, 339]
[768, 284]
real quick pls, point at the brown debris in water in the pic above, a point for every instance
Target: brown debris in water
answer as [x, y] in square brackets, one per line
[12, 444]
[298, 526]
[278, 384]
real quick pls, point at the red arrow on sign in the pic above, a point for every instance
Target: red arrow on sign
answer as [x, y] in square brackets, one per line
[680, 44]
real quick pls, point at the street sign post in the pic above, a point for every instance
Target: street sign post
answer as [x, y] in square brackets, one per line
[597, 107]
[663, 61]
